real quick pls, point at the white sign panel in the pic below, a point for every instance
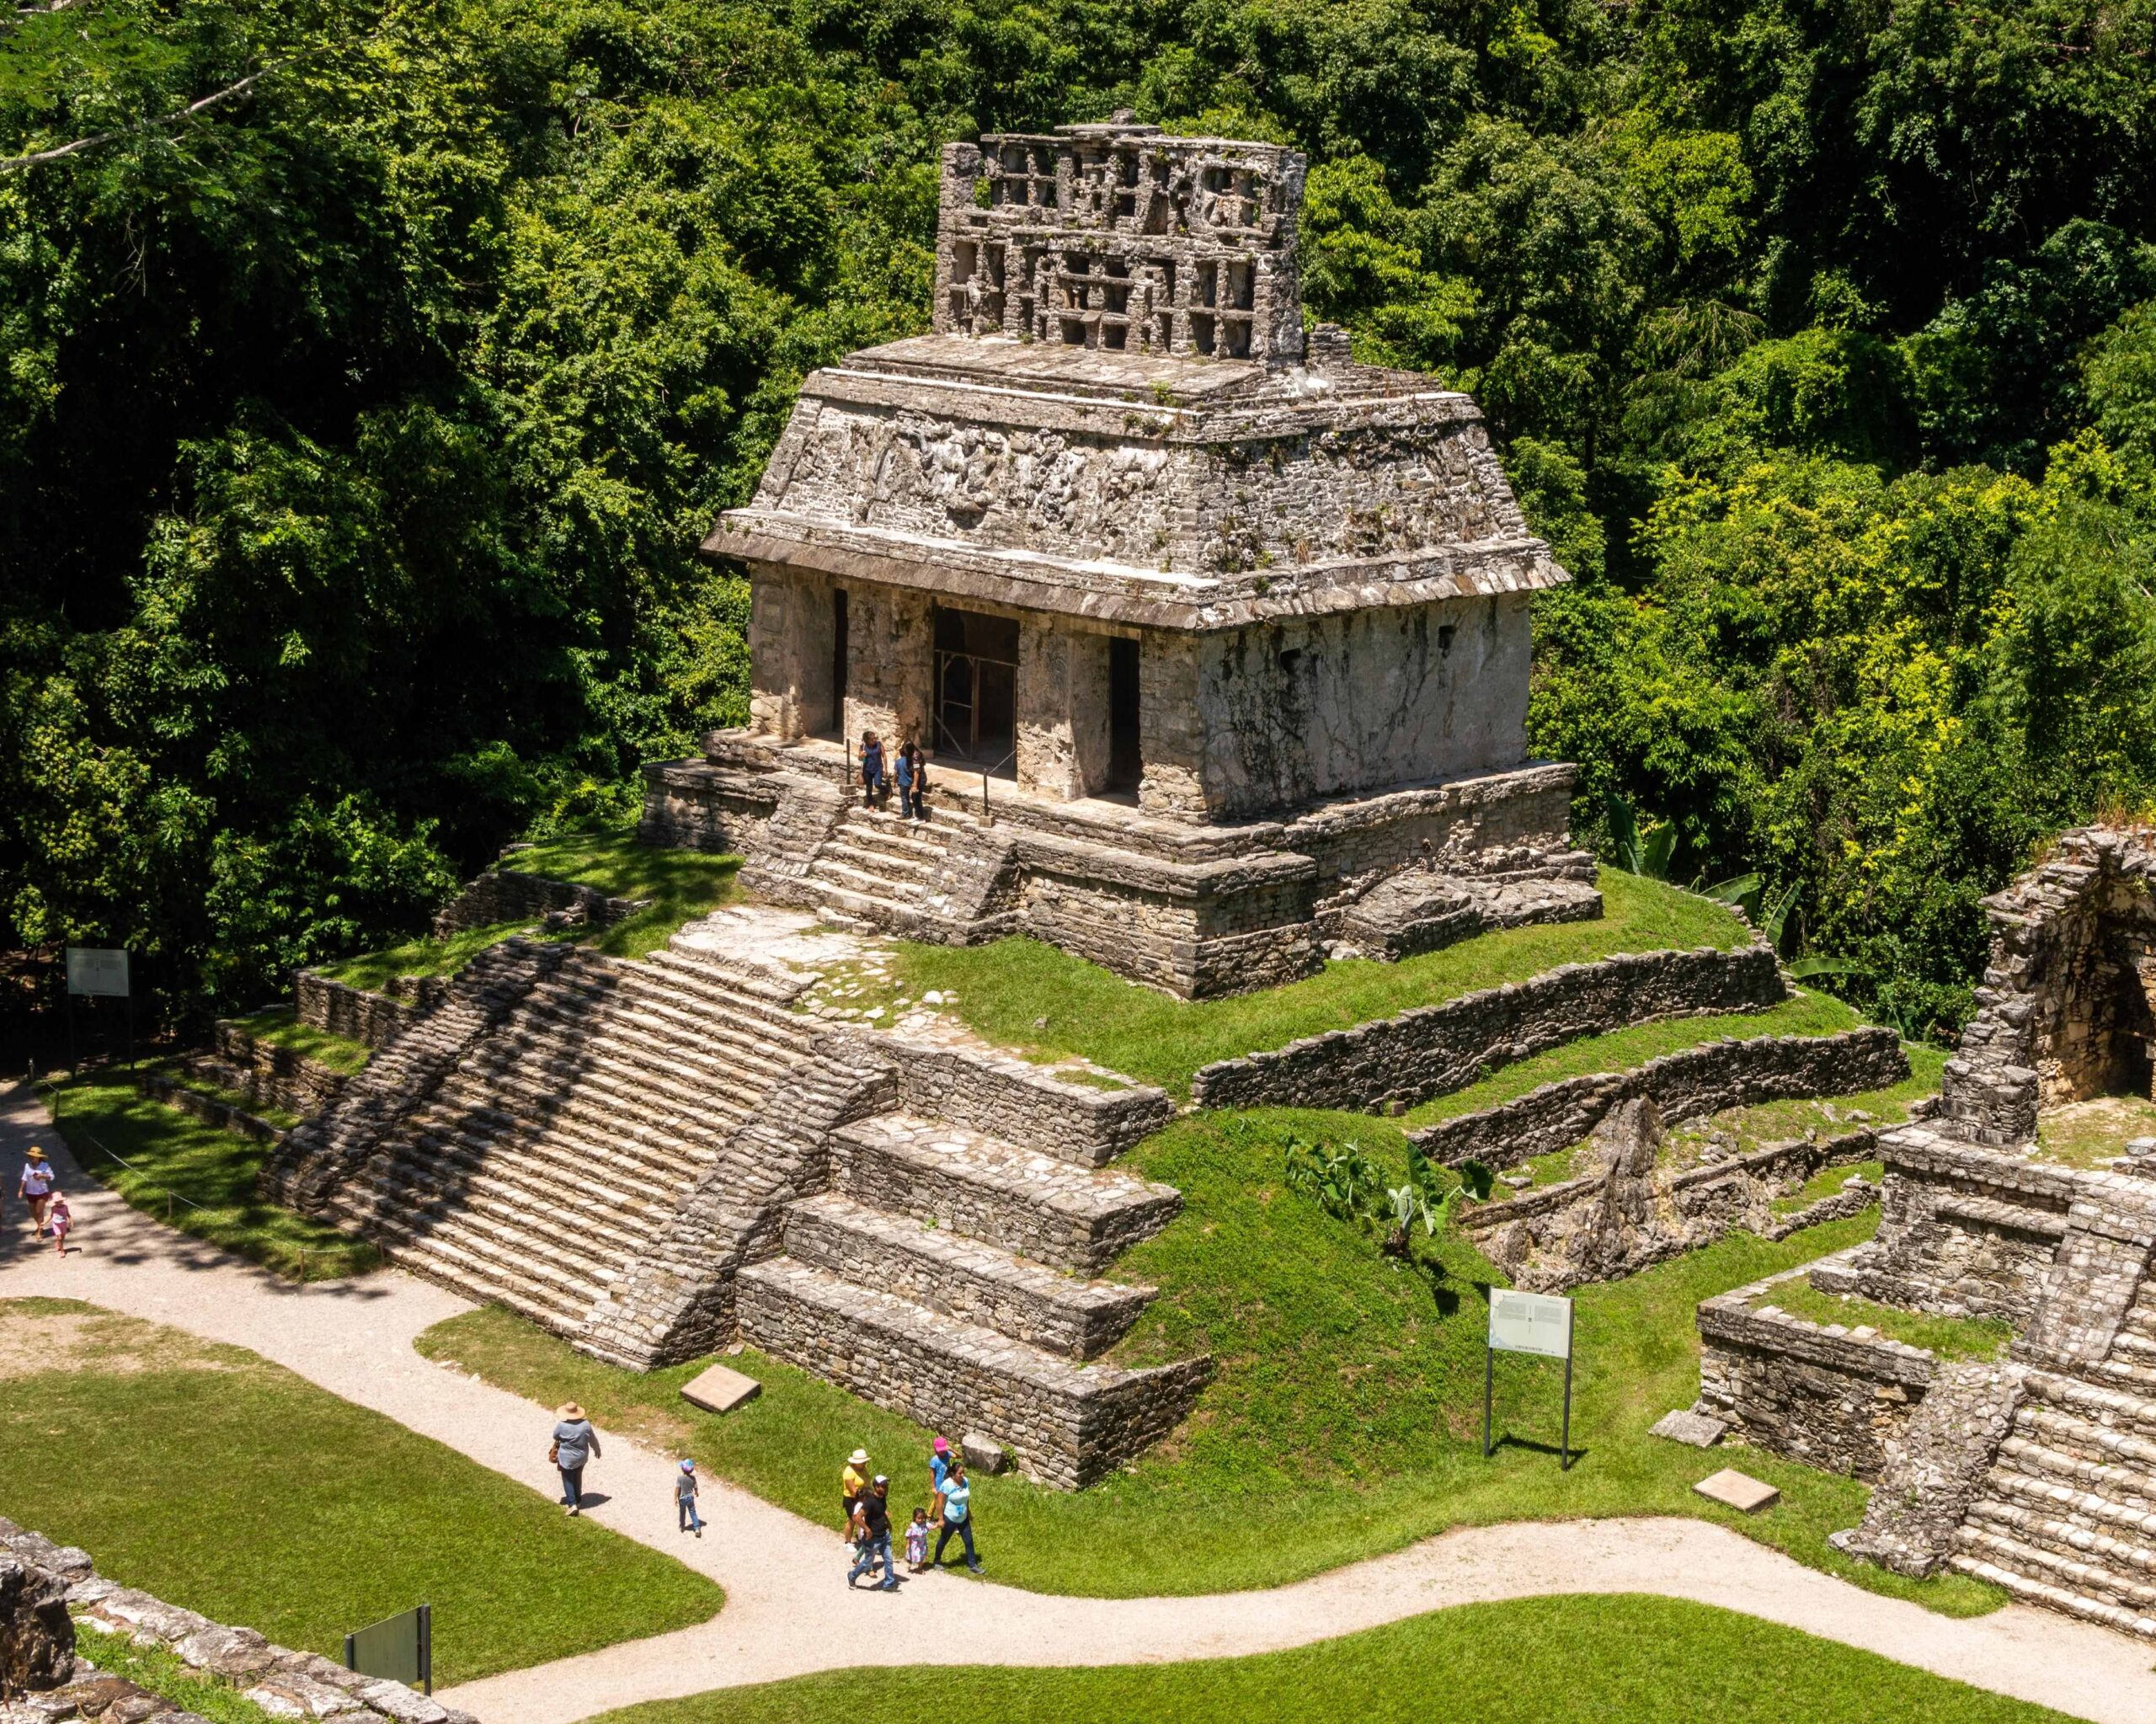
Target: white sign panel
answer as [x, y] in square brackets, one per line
[98, 969]
[1531, 1322]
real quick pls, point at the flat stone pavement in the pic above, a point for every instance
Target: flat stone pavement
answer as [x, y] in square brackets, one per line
[788, 1611]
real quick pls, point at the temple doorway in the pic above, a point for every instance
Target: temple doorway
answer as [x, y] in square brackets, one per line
[840, 646]
[1125, 762]
[976, 686]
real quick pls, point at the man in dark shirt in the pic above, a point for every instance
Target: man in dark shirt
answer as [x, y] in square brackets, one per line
[871, 1520]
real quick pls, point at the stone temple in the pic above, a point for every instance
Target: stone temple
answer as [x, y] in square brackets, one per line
[1207, 631]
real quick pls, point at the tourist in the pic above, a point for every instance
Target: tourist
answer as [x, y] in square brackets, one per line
[575, 1443]
[34, 1187]
[872, 1520]
[939, 1464]
[685, 1500]
[61, 1221]
[917, 1542]
[920, 783]
[851, 1483]
[954, 1508]
[902, 769]
[872, 769]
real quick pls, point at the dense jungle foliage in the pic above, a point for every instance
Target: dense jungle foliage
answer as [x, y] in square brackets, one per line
[357, 431]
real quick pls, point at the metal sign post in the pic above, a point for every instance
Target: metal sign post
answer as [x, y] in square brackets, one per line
[98, 972]
[1537, 1323]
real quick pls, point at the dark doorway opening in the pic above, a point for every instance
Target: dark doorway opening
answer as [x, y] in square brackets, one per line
[2133, 1042]
[1124, 764]
[838, 660]
[976, 685]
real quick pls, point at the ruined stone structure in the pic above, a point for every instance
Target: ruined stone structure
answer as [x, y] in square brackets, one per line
[2051, 1454]
[1218, 629]
[651, 1158]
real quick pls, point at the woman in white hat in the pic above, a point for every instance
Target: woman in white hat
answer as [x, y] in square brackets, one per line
[34, 1187]
[852, 1482]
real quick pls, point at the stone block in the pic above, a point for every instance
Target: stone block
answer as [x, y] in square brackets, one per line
[983, 1454]
[1696, 1429]
[1738, 1491]
[719, 1389]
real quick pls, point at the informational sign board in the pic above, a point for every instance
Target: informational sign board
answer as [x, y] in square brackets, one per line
[98, 969]
[401, 1648]
[1531, 1322]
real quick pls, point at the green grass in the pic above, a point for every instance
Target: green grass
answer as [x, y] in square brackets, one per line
[223, 1483]
[1621, 1659]
[681, 883]
[1777, 1122]
[1344, 1420]
[1802, 1014]
[1003, 989]
[267, 1111]
[278, 1028]
[1950, 1337]
[217, 1169]
[165, 1673]
[2089, 1134]
[420, 958]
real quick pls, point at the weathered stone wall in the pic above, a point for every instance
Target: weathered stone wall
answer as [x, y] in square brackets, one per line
[1683, 1085]
[1834, 1401]
[283, 1682]
[1295, 710]
[224, 1115]
[1023, 1104]
[505, 894]
[361, 1014]
[1936, 1469]
[1435, 1049]
[272, 1074]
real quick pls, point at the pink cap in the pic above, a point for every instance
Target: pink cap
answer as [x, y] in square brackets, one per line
[942, 1446]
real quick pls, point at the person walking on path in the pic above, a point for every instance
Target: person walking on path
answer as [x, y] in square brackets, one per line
[853, 1481]
[575, 1443]
[872, 769]
[34, 1187]
[61, 1221]
[939, 1464]
[954, 1508]
[685, 1499]
[872, 1517]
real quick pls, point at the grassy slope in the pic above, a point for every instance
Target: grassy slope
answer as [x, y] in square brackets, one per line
[1950, 1337]
[221, 1482]
[1616, 1660]
[217, 1169]
[423, 957]
[1344, 1420]
[1004, 988]
[278, 1028]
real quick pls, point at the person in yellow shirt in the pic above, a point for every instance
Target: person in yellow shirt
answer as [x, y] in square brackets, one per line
[852, 1482]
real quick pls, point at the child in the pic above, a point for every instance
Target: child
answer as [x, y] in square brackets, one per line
[59, 1220]
[685, 1500]
[917, 1541]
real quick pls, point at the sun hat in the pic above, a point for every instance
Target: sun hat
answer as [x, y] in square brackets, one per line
[35, 1154]
[858, 1458]
[879, 1480]
[942, 1445]
[570, 1410]
[688, 1466]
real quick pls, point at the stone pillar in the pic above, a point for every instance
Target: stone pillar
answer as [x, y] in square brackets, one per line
[1045, 763]
[1171, 737]
[1088, 674]
[790, 627]
[890, 664]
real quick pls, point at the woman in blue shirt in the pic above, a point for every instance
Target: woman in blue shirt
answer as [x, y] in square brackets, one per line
[954, 1508]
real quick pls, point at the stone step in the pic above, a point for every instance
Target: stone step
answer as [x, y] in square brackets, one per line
[588, 1139]
[2071, 1441]
[914, 840]
[691, 1053]
[2136, 1344]
[610, 1204]
[2063, 1599]
[1068, 1424]
[2064, 1536]
[2111, 1406]
[896, 866]
[963, 1277]
[503, 1252]
[677, 1010]
[2092, 1584]
[532, 1088]
[2060, 1485]
[591, 1242]
[756, 1003]
[485, 1278]
[2137, 1375]
[830, 876]
[1028, 1203]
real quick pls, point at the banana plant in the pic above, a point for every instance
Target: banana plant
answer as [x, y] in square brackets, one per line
[1649, 852]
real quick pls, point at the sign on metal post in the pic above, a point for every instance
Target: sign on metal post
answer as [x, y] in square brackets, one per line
[98, 969]
[401, 1648]
[1538, 1323]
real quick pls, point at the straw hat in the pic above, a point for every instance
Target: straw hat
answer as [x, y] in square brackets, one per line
[35, 1153]
[570, 1410]
[858, 1458]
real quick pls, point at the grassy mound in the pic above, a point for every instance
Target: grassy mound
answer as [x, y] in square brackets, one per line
[221, 1482]
[1345, 1419]
[1616, 1660]
[1005, 990]
[278, 1028]
[165, 1149]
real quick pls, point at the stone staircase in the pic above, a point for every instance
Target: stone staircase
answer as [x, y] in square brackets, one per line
[2067, 1516]
[877, 866]
[948, 1275]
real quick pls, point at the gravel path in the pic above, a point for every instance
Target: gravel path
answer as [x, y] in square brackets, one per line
[788, 1611]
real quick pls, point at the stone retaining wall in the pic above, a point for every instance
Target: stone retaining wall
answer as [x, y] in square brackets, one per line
[272, 1074]
[1937, 1469]
[507, 895]
[207, 1108]
[1435, 1049]
[361, 1014]
[1683, 1085]
[284, 1683]
[1831, 1397]
[1007, 1098]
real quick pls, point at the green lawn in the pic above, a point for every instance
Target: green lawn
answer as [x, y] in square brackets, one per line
[1950, 1337]
[1004, 989]
[165, 1673]
[423, 957]
[1624, 1659]
[1775, 1122]
[221, 1482]
[167, 1149]
[681, 883]
[1344, 1420]
[278, 1028]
